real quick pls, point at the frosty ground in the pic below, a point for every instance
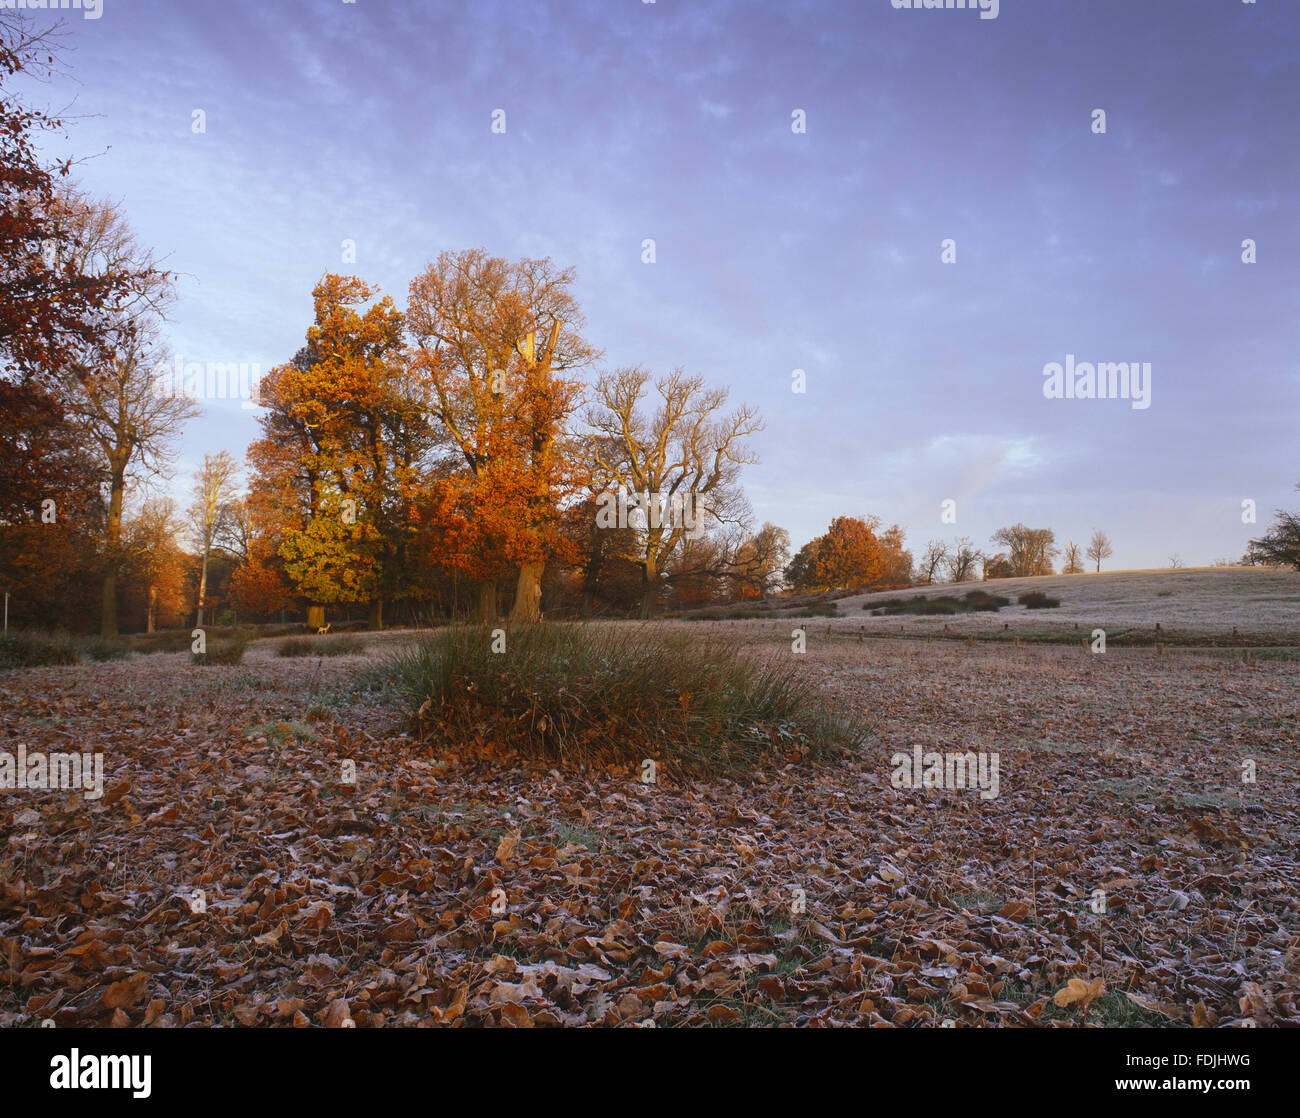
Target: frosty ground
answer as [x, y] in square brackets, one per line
[230, 876]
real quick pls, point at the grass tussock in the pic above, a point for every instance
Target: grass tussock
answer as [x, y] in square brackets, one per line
[100, 649]
[229, 650]
[30, 648]
[973, 601]
[346, 645]
[164, 640]
[828, 609]
[614, 695]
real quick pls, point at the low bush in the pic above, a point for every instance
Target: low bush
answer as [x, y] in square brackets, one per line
[1036, 599]
[984, 601]
[613, 694]
[165, 640]
[345, 645]
[974, 601]
[30, 648]
[228, 650]
[105, 648]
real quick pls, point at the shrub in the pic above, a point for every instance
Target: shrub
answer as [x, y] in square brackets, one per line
[165, 640]
[346, 645]
[222, 651]
[30, 648]
[105, 648]
[983, 600]
[1036, 599]
[942, 605]
[613, 694]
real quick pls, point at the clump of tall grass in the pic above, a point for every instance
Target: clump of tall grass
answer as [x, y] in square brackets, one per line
[105, 648]
[1036, 599]
[221, 651]
[973, 601]
[30, 648]
[163, 640]
[345, 645]
[615, 695]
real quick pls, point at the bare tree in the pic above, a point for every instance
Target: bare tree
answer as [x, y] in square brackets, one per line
[1073, 559]
[116, 399]
[1030, 551]
[934, 556]
[214, 490]
[963, 560]
[1099, 547]
[678, 469]
[235, 530]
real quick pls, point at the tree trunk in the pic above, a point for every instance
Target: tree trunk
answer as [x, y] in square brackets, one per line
[649, 589]
[203, 586]
[153, 605]
[377, 614]
[485, 607]
[528, 594]
[112, 542]
[315, 616]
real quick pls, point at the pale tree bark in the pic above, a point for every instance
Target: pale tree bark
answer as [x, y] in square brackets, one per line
[537, 372]
[214, 491]
[112, 548]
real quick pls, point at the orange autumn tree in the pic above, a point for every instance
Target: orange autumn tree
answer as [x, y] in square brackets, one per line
[342, 449]
[491, 342]
[849, 554]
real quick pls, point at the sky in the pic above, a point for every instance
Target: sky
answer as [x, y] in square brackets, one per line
[798, 168]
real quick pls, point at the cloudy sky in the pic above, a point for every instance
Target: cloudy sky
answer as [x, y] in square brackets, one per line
[775, 249]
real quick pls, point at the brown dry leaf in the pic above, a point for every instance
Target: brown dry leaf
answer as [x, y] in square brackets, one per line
[1154, 1005]
[272, 938]
[338, 1015]
[506, 847]
[1081, 993]
[668, 950]
[125, 992]
[516, 1016]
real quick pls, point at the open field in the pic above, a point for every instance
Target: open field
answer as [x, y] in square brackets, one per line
[1242, 607]
[229, 874]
